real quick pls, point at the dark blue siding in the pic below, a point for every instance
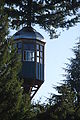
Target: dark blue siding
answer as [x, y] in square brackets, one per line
[39, 71]
[42, 72]
[37, 75]
[28, 70]
[28, 46]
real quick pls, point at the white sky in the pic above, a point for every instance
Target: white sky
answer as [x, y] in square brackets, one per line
[57, 52]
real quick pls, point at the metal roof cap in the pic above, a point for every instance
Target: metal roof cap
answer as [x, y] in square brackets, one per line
[28, 33]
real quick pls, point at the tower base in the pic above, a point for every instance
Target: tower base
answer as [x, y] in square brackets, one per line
[31, 86]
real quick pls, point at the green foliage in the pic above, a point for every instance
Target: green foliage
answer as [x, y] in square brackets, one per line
[62, 106]
[48, 14]
[9, 86]
[66, 104]
[13, 103]
[73, 73]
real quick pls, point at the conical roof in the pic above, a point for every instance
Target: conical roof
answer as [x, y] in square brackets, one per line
[28, 33]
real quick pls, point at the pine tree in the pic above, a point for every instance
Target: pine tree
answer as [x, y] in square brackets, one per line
[66, 104]
[48, 14]
[9, 86]
[61, 106]
[13, 103]
[68, 100]
[73, 72]
[64, 107]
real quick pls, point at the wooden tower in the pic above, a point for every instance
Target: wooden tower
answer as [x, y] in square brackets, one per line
[30, 44]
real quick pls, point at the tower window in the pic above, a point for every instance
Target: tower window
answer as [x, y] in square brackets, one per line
[39, 53]
[28, 55]
[38, 59]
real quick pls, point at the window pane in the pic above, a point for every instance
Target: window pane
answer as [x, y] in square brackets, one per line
[37, 47]
[41, 48]
[37, 53]
[32, 54]
[32, 59]
[41, 60]
[38, 59]
[28, 55]
[41, 54]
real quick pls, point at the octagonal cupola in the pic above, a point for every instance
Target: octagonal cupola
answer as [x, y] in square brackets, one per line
[30, 44]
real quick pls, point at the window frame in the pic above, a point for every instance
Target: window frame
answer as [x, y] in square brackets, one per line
[25, 55]
[39, 54]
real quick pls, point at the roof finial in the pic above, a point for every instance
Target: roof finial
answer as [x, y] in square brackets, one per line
[29, 13]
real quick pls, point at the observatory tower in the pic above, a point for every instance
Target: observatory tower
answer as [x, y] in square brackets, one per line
[31, 45]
